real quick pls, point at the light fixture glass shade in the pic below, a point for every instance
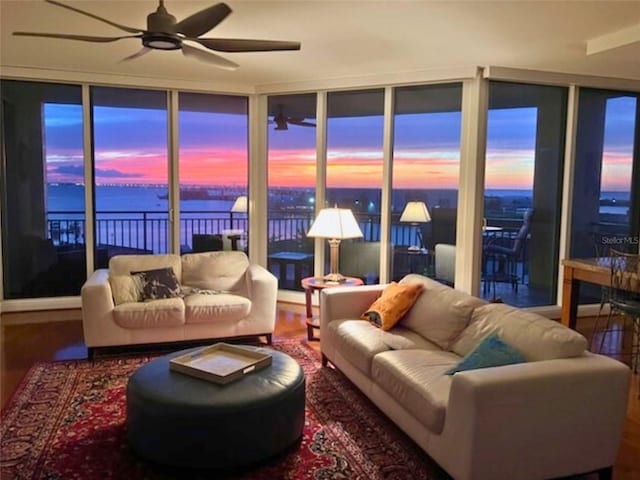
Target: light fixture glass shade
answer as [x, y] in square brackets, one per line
[415, 212]
[336, 223]
[240, 205]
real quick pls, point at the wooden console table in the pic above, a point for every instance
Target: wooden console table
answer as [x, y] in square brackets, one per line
[310, 285]
[591, 270]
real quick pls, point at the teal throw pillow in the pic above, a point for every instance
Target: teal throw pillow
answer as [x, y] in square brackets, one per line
[490, 352]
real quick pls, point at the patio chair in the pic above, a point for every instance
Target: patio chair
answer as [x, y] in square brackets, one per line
[504, 258]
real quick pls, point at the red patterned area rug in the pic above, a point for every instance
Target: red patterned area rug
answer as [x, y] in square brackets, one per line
[67, 420]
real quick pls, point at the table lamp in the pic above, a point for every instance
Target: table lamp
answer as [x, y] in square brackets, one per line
[416, 213]
[335, 224]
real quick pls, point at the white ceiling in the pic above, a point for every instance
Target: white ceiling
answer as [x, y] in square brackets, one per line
[339, 38]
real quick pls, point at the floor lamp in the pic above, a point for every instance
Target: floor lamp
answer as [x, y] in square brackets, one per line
[416, 213]
[335, 224]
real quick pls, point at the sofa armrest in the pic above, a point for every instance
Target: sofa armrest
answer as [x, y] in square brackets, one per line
[346, 302]
[262, 289]
[97, 306]
[569, 412]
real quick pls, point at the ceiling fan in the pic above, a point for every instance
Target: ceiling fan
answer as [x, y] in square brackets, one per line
[282, 121]
[164, 32]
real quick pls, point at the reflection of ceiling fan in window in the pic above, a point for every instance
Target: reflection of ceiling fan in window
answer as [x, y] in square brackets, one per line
[282, 121]
[164, 32]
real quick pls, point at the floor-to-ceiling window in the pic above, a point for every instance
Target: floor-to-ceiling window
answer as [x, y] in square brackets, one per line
[131, 172]
[523, 180]
[42, 183]
[213, 172]
[291, 186]
[606, 188]
[426, 161]
[354, 173]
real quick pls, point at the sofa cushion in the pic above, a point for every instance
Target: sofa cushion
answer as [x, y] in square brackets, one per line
[416, 380]
[534, 336]
[359, 341]
[168, 312]
[204, 308]
[125, 264]
[158, 283]
[223, 271]
[394, 302]
[124, 289]
[440, 313]
[492, 351]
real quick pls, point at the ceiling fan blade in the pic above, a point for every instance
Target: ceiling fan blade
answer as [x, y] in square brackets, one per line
[82, 12]
[245, 45]
[139, 53]
[302, 123]
[65, 36]
[211, 58]
[203, 21]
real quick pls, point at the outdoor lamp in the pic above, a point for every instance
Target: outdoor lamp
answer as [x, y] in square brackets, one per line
[416, 213]
[335, 224]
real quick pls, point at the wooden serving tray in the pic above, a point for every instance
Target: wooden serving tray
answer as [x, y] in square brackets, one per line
[220, 363]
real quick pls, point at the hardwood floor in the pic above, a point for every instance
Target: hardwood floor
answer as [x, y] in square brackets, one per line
[22, 345]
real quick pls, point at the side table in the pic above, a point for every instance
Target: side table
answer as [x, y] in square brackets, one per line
[310, 285]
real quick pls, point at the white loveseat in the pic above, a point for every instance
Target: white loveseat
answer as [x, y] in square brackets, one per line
[560, 413]
[225, 296]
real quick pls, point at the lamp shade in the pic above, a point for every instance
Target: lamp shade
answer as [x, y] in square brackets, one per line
[336, 223]
[415, 212]
[240, 205]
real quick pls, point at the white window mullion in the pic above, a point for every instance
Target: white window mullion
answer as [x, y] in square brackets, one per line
[475, 96]
[567, 187]
[321, 175]
[173, 148]
[258, 168]
[387, 185]
[89, 184]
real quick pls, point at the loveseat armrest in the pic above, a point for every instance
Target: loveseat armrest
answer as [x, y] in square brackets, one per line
[97, 305]
[262, 289]
[346, 302]
[537, 419]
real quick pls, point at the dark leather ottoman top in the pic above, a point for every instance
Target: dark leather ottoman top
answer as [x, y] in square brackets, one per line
[176, 419]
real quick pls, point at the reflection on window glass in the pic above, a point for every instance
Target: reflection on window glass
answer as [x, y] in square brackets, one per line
[292, 179]
[524, 158]
[213, 171]
[43, 230]
[354, 173]
[131, 172]
[606, 201]
[426, 161]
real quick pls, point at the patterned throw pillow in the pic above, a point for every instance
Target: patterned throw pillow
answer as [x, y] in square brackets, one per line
[390, 307]
[490, 352]
[158, 283]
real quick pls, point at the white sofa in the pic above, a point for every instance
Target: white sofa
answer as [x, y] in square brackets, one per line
[560, 413]
[226, 297]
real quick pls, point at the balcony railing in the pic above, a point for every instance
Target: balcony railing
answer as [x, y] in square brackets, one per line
[148, 231]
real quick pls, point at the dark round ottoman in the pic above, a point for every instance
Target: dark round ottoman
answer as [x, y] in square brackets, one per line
[179, 420]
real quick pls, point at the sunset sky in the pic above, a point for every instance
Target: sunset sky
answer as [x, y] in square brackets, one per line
[131, 148]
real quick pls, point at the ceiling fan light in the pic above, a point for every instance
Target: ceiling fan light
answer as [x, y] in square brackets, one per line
[161, 42]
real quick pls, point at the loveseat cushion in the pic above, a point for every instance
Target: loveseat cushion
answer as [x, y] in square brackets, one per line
[416, 380]
[204, 308]
[359, 341]
[534, 336]
[440, 313]
[223, 271]
[125, 264]
[168, 312]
